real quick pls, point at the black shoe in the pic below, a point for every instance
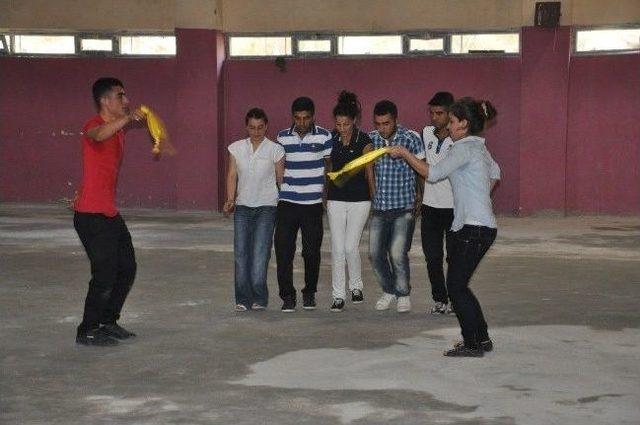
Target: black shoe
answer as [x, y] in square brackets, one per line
[338, 305]
[356, 296]
[309, 301]
[486, 345]
[95, 337]
[461, 350]
[116, 331]
[289, 305]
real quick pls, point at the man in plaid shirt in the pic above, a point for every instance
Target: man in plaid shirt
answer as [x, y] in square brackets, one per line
[393, 221]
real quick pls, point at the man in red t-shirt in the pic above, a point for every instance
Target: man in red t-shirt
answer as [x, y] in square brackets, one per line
[101, 229]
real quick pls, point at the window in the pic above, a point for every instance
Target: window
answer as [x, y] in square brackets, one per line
[314, 46]
[609, 39]
[45, 44]
[5, 43]
[426, 45]
[370, 45]
[148, 45]
[260, 46]
[485, 43]
[96, 45]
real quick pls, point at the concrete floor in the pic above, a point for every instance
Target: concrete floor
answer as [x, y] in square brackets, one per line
[561, 296]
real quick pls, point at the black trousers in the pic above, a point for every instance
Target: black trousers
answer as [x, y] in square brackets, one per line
[468, 246]
[290, 218]
[107, 243]
[434, 226]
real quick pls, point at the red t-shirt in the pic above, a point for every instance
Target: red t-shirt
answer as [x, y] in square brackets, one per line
[100, 166]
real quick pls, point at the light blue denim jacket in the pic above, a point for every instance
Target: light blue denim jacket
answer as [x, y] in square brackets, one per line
[470, 168]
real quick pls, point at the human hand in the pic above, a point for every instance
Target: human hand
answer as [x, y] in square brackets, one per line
[137, 115]
[398, 152]
[228, 207]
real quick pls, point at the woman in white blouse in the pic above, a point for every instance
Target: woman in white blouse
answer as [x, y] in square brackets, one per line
[256, 167]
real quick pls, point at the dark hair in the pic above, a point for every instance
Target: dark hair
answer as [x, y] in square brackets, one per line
[385, 107]
[102, 87]
[347, 106]
[303, 104]
[256, 114]
[442, 98]
[476, 112]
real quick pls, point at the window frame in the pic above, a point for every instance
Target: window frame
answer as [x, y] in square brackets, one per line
[407, 37]
[13, 36]
[227, 46]
[574, 40]
[484, 54]
[115, 44]
[302, 36]
[367, 55]
[144, 34]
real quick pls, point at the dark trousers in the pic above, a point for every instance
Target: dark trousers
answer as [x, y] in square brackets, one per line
[107, 243]
[467, 247]
[434, 226]
[290, 218]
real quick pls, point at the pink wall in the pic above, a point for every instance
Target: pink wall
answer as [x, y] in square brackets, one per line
[603, 146]
[566, 135]
[44, 105]
[410, 83]
[45, 102]
[543, 122]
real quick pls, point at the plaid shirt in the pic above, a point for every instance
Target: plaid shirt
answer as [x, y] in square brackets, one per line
[395, 179]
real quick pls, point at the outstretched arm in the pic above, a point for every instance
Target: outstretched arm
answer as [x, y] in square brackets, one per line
[108, 129]
[419, 165]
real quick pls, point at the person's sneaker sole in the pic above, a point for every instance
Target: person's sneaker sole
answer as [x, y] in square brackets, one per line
[464, 352]
[102, 341]
[309, 307]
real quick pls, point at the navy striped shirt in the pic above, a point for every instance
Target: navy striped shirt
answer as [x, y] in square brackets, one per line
[304, 164]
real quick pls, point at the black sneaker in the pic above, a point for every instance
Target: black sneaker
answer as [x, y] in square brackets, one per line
[338, 305]
[309, 301]
[356, 296]
[116, 331]
[95, 337]
[486, 345]
[289, 305]
[461, 350]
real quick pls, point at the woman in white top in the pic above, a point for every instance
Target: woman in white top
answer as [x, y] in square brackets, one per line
[256, 167]
[473, 174]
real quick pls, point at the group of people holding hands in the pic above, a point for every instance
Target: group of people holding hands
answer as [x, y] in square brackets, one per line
[277, 188]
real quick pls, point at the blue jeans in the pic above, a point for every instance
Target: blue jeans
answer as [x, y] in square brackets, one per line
[252, 239]
[390, 234]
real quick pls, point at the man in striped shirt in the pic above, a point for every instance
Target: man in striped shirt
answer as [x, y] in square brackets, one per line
[307, 149]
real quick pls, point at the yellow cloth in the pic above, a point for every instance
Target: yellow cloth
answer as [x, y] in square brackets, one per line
[158, 132]
[352, 168]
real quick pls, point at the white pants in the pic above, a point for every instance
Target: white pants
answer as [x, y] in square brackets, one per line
[346, 223]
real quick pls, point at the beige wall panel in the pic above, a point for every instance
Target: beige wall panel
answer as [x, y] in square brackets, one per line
[606, 12]
[205, 14]
[162, 15]
[368, 15]
[89, 14]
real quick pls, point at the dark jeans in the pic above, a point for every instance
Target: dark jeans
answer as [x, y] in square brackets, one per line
[290, 218]
[113, 266]
[252, 240]
[390, 235]
[468, 246]
[434, 226]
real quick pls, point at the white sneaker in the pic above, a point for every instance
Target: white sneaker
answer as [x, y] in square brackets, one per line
[385, 301]
[404, 304]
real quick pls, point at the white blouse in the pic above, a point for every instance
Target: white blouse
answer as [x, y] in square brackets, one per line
[256, 172]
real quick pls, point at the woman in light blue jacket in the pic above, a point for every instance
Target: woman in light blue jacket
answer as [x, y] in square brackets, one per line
[473, 174]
